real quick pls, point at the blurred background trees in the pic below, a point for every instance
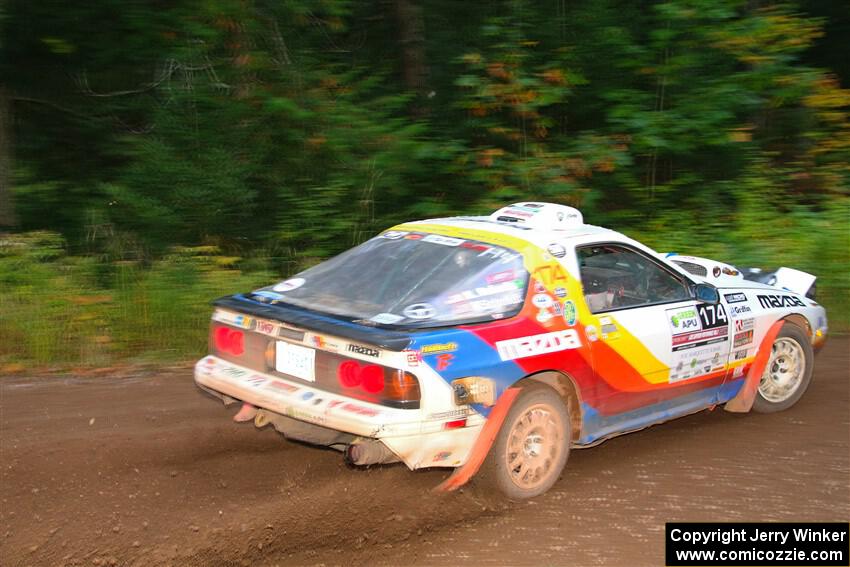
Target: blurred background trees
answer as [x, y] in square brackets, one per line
[255, 137]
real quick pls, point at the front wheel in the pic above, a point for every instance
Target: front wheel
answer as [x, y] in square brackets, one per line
[788, 372]
[532, 446]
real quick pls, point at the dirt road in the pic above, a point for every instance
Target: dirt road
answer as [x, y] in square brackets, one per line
[146, 470]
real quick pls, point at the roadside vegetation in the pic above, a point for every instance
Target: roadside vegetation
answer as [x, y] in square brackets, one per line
[154, 157]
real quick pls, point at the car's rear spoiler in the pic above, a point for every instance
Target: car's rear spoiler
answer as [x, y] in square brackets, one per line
[383, 338]
[784, 278]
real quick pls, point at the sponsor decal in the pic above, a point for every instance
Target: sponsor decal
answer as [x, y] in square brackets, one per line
[544, 316]
[556, 309]
[359, 410]
[699, 336]
[452, 414]
[608, 328]
[735, 297]
[413, 236]
[742, 339]
[394, 234]
[492, 304]
[500, 254]
[570, 313]
[683, 319]
[560, 292]
[535, 345]
[283, 386]
[444, 240]
[270, 295]
[444, 361]
[518, 213]
[608, 331]
[735, 310]
[474, 390]
[475, 246]
[550, 274]
[744, 324]
[323, 343]
[694, 362]
[591, 333]
[233, 372]
[289, 285]
[738, 372]
[386, 318]
[364, 350]
[729, 271]
[235, 319]
[541, 300]
[438, 348]
[740, 354]
[712, 316]
[419, 311]
[501, 277]
[307, 395]
[414, 357]
[773, 301]
[441, 456]
[256, 380]
[266, 327]
[508, 287]
[557, 250]
[716, 271]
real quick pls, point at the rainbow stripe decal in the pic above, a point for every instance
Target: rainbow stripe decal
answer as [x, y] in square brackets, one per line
[621, 384]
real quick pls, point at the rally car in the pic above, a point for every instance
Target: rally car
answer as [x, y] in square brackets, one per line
[495, 344]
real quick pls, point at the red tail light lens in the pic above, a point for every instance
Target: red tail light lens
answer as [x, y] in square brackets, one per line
[378, 384]
[373, 378]
[370, 378]
[348, 374]
[230, 341]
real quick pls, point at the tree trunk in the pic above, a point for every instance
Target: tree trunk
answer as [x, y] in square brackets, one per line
[7, 208]
[411, 35]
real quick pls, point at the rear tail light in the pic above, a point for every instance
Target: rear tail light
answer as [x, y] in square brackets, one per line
[373, 378]
[348, 374]
[378, 384]
[229, 340]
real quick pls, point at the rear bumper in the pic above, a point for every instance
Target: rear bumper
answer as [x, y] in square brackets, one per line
[417, 441]
[305, 403]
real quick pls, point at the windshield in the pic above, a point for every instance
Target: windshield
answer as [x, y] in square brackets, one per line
[410, 279]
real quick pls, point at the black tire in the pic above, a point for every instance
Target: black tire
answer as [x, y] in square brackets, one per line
[768, 398]
[539, 413]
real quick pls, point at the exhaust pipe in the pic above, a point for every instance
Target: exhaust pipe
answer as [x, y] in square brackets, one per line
[369, 452]
[262, 419]
[302, 431]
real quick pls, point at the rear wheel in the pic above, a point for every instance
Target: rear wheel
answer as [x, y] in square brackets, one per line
[532, 447]
[788, 372]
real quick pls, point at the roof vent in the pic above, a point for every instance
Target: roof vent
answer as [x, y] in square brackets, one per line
[539, 215]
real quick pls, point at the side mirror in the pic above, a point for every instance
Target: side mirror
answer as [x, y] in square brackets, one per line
[706, 293]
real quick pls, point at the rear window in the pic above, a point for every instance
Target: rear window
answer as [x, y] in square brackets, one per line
[410, 279]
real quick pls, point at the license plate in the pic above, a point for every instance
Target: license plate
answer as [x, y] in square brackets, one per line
[295, 360]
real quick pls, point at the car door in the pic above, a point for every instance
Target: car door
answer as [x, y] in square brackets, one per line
[656, 350]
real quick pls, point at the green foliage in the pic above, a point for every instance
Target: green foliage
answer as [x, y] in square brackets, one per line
[54, 310]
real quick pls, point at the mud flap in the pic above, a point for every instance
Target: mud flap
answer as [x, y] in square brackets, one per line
[462, 474]
[743, 401]
[247, 413]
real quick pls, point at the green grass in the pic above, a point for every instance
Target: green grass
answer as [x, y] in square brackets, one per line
[60, 310]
